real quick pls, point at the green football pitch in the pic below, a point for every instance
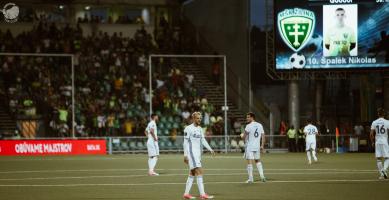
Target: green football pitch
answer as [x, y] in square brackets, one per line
[335, 176]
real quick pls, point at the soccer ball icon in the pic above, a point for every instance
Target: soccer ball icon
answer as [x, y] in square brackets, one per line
[297, 60]
[10, 11]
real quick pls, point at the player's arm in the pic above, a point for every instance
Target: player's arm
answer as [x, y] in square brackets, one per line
[145, 132]
[327, 41]
[205, 143]
[243, 135]
[372, 135]
[352, 46]
[353, 42]
[186, 147]
[263, 139]
[153, 135]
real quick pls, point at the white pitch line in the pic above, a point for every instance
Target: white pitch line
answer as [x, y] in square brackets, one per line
[112, 157]
[109, 158]
[170, 175]
[208, 183]
[180, 169]
[121, 176]
[77, 159]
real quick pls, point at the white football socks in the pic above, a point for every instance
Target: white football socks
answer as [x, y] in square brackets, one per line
[250, 171]
[200, 184]
[155, 160]
[379, 166]
[152, 163]
[386, 164]
[260, 169]
[309, 156]
[314, 155]
[189, 183]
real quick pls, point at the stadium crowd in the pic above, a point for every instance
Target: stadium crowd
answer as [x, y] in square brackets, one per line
[111, 82]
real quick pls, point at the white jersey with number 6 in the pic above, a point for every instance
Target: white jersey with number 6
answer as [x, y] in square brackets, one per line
[311, 132]
[254, 131]
[381, 128]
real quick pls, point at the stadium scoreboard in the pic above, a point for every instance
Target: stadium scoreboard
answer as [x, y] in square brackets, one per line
[331, 34]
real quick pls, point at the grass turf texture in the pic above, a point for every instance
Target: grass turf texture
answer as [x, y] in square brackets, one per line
[335, 176]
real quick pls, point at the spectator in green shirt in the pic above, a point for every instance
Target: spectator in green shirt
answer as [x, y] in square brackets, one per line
[63, 115]
[292, 133]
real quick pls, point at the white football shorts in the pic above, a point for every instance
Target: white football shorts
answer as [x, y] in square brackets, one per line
[152, 148]
[194, 161]
[381, 150]
[252, 155]
[310, 146]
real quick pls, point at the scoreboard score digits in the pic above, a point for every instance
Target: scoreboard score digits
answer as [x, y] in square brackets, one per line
[331, 34]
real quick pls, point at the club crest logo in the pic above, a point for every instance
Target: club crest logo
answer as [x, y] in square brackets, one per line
[296, 27]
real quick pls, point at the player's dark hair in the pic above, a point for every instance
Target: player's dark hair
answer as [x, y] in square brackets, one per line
[153, 115]
[381, 112]
[339, 9]
[251, 115]
[309, 121]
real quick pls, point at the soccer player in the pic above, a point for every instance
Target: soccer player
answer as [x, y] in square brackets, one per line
[193, 142]
[340, 39]
[379, 131]
[310, 132]
[253, 134]
[152, 143]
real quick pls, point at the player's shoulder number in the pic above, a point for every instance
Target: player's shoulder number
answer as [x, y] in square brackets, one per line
[311, 130]
[256, 133]
[380, 129]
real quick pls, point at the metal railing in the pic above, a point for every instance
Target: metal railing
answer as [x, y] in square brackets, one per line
[344, 143]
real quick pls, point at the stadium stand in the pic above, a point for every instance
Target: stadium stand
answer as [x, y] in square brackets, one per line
[103, 105]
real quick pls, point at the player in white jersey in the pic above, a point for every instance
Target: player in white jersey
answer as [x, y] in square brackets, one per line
[310, 132]
[193, 142]
[152, 144]
[379, 136]
[340, 39]
[253, 134]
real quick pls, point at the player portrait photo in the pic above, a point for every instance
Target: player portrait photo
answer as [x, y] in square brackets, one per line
[340, 30]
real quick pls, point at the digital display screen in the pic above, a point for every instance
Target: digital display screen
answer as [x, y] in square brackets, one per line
[331, 34]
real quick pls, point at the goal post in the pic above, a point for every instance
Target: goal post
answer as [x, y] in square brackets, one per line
[71, 56]
[224, 108]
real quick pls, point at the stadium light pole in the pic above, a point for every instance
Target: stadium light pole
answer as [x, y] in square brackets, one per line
[150, 88]
[225, 104]
[248, 29]
[73, 98]
[72, 74]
